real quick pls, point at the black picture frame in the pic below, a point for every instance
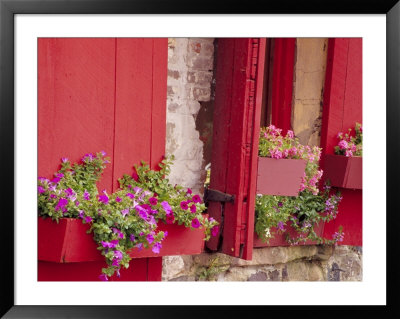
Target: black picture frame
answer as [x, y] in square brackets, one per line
[8, 8]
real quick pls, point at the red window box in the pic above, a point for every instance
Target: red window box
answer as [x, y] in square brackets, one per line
[279, 176]
[68, 242]
[280, 239]
[342, 171]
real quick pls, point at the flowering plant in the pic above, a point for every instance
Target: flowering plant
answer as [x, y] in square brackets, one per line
[126, 218]
[350, 145]
[305, 211]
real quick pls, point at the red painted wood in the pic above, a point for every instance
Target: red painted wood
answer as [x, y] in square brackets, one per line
[282, 82]
[75, 101]
[90, 271]
[154, 268]
[133, 120]
[279, 176]
[258, 75]
[342, 108]
[221, 129]
[193, 240]
[236, 102]
[280, 239]
[344, 172]
[68, 242]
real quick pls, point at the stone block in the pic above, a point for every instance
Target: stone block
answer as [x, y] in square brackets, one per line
[201, 94]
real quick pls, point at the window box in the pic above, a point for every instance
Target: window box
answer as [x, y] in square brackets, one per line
[68, 242]
[280, 239]
[279, 176]
[342, 171]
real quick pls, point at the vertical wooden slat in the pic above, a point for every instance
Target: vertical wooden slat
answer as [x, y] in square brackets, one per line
[221, 129]
[158, 113]
[341, 109]
[134, 95]
[75, 101]
[282, 82]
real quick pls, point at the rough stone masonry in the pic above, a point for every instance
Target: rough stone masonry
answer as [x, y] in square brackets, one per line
[190, 73]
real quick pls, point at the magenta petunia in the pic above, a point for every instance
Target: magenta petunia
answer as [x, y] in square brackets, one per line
[113, 243]
[170, 218]
[156, 248]
[64, 159]
[118, 254]
[132, 237]
[166, 206]
[153, 201]
[61, 204]
[77, 203]
[196, 199]
[137, 189]
[184, 205]
[55, 180]
[195, 223]
[60, 175]
[86, 195]
[88, 219]
[130, 195]
[189, 191]
[215, 230]
[125, 212]
[115, 262]
[150, 238]
[193, 208]
[81, 214]
[103, 277]
[117, 199]
[103, 199]
[40, 190]
[139, 246]
[103, 153]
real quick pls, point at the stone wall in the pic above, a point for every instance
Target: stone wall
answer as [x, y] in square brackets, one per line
[190, 75]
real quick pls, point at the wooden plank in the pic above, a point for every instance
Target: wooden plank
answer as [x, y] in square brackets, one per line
[282, 82]
[221, 129]
[75, 101]
[253, 158]
[133, 105]
[154, 269]
[341, 109]
[159, 106]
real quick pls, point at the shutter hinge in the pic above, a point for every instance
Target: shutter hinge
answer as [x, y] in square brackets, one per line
[212, 195]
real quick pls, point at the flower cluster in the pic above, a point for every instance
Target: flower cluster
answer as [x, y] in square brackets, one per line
[350, 144]
[304, 212]
[273, 144]
[126, 218]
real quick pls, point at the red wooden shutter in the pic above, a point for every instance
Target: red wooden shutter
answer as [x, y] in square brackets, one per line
[342, 108]
[103, 94]
[238, 97]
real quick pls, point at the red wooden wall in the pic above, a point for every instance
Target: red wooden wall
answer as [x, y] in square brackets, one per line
[102, 94]
[342, 107]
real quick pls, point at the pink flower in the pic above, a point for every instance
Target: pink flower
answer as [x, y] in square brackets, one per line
[195, 223]
[290, 134]
[153, 201]
[196, 199]
[193, 208]
[343, 145]
[189, 191]
[156, 248]
[117, 199]
[276, 153]
[349, 153]
[215, 230]
[64, 159]
[170, 218]
[184, 205]
[40, 190]
[103, 277]
[88, 219]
